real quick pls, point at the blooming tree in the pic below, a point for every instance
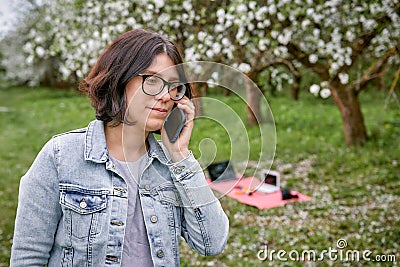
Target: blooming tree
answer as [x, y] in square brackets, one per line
[329, 38]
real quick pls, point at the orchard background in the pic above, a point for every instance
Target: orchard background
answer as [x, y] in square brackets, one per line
[344, 44]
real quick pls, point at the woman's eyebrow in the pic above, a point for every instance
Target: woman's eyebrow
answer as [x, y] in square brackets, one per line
[150, 72]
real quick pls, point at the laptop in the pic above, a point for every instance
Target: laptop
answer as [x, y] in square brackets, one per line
[221, 171]
[270, 182]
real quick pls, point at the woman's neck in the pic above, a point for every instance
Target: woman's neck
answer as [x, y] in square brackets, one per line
[126, 143]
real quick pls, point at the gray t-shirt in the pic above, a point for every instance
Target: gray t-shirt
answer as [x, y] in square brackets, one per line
[136, 250]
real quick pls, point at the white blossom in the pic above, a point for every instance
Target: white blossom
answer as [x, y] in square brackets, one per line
[201, 35]
[243, 41]
[219, 28]
[240, 33]
[305, 23]
[241, 8]
[216, 47]
[244, 67]
[325, 93]
[40, 51]
[272, 9]
[262, 44]
[348, 60]
[324, 84]
[215, 75]
[284, 38]
[250, 26]
[260, 13]
[274, 34]
[313, 58]
[159, 3]
[334, 67]
[29, 59]
[350, 35]
[38, 39]
[225, 41]
[220, 13]
[209, 53]
[228, 23]
[344, 78]
[187, 5]
[369, 24]
[280, 16]
[28, 47]
[314, 89]
[105, 36]
[120, 28]
[163, 18]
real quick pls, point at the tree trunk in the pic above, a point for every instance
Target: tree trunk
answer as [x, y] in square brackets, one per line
[205, 88]
[196, 99]
[353, 122]
[294, 92]
[380, 84]
[253, 103]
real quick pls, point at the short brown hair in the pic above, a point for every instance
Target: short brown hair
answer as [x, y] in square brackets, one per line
[127, 56]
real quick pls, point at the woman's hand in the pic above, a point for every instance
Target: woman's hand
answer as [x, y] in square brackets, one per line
[179, 150]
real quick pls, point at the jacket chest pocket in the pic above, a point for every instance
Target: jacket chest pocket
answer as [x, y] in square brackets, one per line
[83, 210]
[167, 194]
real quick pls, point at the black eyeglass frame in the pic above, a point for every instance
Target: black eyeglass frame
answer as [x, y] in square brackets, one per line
[169, 84]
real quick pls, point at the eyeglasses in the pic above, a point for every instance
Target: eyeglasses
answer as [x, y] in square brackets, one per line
[154, 85]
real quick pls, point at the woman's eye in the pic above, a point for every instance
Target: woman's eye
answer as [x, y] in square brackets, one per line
[151, 80]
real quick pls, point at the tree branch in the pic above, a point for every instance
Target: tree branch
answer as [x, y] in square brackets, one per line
[319, 68]
[282, 61]
[374, 71]
[364, 40]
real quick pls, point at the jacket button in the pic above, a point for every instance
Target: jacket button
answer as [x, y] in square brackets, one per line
[83, 204]
[147, 187]
[153, 219]
[160, 253]
[179, 169]
[112, 258]
[117, 223]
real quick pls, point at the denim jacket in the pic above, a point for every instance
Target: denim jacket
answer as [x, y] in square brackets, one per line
[73, 205]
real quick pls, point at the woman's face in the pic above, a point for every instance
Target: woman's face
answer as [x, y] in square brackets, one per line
[149, 112]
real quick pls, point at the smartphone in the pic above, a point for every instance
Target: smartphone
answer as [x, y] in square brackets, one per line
[174, 123]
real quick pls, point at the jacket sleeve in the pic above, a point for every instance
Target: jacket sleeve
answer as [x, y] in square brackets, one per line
[38, 212]
[205, 226]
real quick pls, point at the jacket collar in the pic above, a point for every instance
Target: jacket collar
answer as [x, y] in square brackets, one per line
[157, 150]
[96, 146]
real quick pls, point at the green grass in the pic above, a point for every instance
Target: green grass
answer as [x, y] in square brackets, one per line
[355, 191]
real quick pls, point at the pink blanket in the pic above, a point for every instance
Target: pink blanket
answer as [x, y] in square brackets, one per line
[239, 189]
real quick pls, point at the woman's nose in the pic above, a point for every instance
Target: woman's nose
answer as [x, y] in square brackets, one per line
[164, 94]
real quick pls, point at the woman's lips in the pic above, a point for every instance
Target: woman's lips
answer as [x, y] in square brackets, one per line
[161, 111]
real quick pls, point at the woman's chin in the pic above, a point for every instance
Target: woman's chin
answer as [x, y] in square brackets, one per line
[154, 126]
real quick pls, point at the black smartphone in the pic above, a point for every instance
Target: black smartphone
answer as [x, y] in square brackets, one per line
[174, 123]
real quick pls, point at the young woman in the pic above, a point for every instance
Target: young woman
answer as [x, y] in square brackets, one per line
[111, 194]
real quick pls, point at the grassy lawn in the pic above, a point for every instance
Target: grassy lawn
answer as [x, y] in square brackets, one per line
[355, 191]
